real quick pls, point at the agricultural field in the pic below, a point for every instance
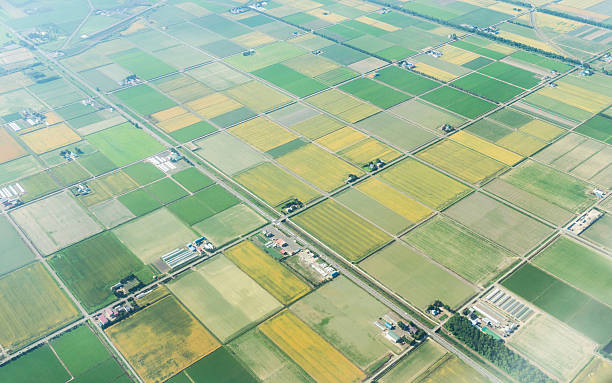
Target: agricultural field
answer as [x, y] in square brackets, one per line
[415, 278]
[9, 148]
[459, 102]
[262, 134]
[599, 231]
[487, 87]
[27, 315]
[342, 105]
[311, 352]
[229, 224]
[161, 340]
[228, 153]
[415, 363]
[599, 370]
[14, 252]
[271, 275]
[342, 230]
[220, 366]
[36, 366]
[223, 297]
[342, 313]
[451, 369]
[47, 139]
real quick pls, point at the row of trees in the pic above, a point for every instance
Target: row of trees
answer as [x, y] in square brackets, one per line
[495, 351]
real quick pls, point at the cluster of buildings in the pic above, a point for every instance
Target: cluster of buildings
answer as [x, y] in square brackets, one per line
[191, 251]
[433, 53]
[165, 163]
[326, 271]
[351, 178]
[292, 206]
[126, 286]
[406, 64]
[584, 221]
[10, 195]
[112, 315]
[375, 165]
[130, 80]
[446, 128]
[280, 244]
[80, 189]
[394, 331]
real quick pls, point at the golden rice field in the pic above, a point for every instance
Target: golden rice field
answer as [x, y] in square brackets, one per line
[254, 39]
[214, 105]
[53, 118]
[558, 24]
[162, 340]
[270, 274]
[9, 148]
[262, 133]
[342, 105]
[582, 98]
[527, 41]
[311, 352]
[53, 137]
[378, 24]
[258, 96]
[485, 147]
[456, 55]
[274, 185]
[520, 143]
[435, 72]
[178, 122]
[317, 126]
[503, 8]
[465, 163]
[542, 130]
[425, 184]
[369, 150]
[167, 114]
[330, 17]
[341, 138]
[394, 200]
[318, 167]
[342, 230]
[311, 65]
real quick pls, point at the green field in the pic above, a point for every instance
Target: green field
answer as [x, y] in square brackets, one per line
[142, 64]
[14, 252]
[459, 249]
[192, 179]
[89, 268]
[265, 56]
[143, 172]
[70, 173]
[223, 297]
[415, 278]
[405, 80]
[139, 202]
[166, 191]
[143, 99]
[415, 363]
[229, 224]
[562, 301]
[511, 74]
[459, 102]
[541, 61]
[219, 367]
[290, 80]
[124, 144]
[343, 313]
[267, 361]
[345, 232]
[79, 349]
[37, 185]
[600, 231]
[25, 313]
[579, 266]
[499, 223]
[487, 87]
[97, 163]
[374, 92]
[598, 128]
[203, 204]
[39, 365]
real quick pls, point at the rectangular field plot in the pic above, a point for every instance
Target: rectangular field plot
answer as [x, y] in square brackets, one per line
[345, 232]
[415, 363]
[53, 137]
[268, 55]
[343, 313]
[9, 148]
[318, 167]
[143, 99]
[290, 80]
[311, 352]
[459, 102]
[91, 267]
[599, 232]
[500, 223]
[342, 105]
[511, 74]
[579, 266]
[55, 222]
[599, 370]
[462, 161]
[154, 235]
[368, 150]
[487, 87]
[598, 128]
[25, 313]
[271, 275]
[459, 249]
[14, 252]
[223, 297]
[274, 185]
[394, 199]
[375, 93]
[258, 97]
[267, 361]
[426, 115]
[161, 340]
[559, 350]
[428, 186]
[142, 64]
[415, 278]
[451, 369]
[403, 134]
[405, 80]
[316, 126]
[562, 301]
[262, 133]
[39, 365]
[228, 153]
[498, 153]
[220, 366]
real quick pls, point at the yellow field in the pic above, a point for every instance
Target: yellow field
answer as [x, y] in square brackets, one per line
[465, 163]
[52, 118]
[377, 24]
[582, 98]
[178, 122]
[542, 130]
[167, 114]
[262, 133]
[456, 55]
[274, 185]
[271, 275]
[311, 65]
[576, 9]
[394, 200]
[317, 126]
[9, 148]
[254, 39]
[521, 143]
[598, 371]
[361, 5]
[581, 4]
[318, 167]
[331, 17]
[133, 28]
[504, 8]
[443, 31]
[341, 139]
[342, 105]
[53, 137]
[301, 4]
[162, 340]
[435, 72]
[214, 105]
[485, 147]
[311, 352]
[194, 9]
[369, 150]
[258, 96]
[505, 49]
[527, 41]
[558, 24]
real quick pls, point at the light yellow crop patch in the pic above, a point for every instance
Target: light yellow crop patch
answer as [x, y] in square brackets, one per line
[558, 24]
[435, 72]
[341, 139]
[581, 4]
[178, 122]
[311, 65]
[214, 105]
[52, 118]
[322, 14]
[394, 199]
[168, 113]
[485, 147]
[254, 39]
[53, 137]
[262, 133]
[542, 130]
[527, 41]
[456, 55]
[523, 144]
[580, 12]
[584, 99]
[362, 153]
[193, 8]
[378, 24]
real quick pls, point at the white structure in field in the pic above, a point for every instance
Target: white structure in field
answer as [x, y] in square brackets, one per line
[584, 221]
